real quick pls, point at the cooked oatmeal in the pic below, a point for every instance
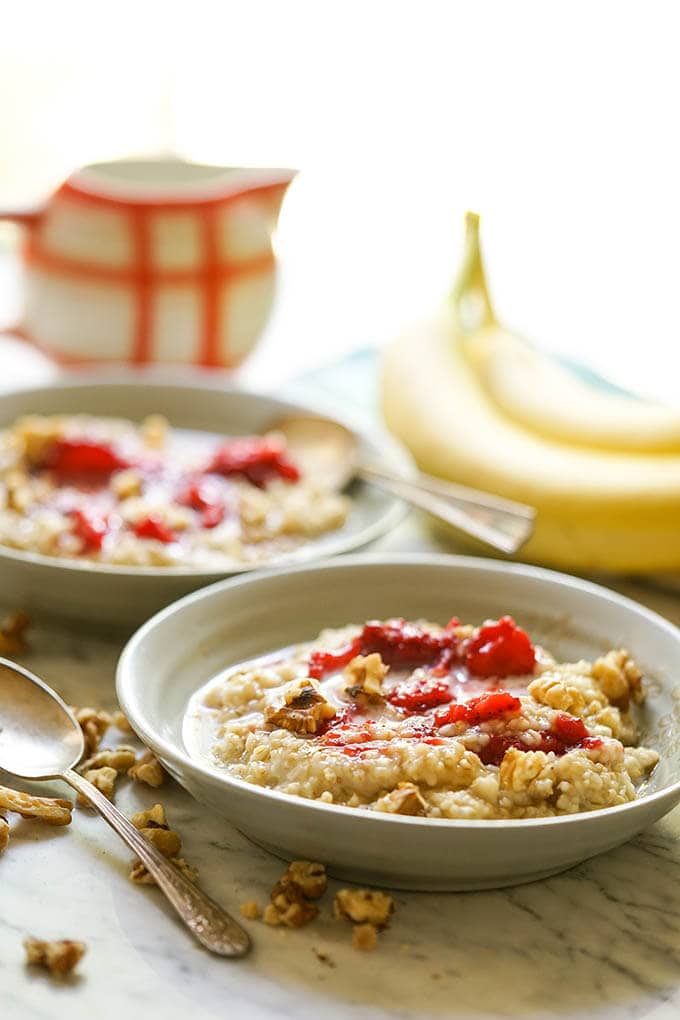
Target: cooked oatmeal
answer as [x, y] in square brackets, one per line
[440, 722]
[117, 492]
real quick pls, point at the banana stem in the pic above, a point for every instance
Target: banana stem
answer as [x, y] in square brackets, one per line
[470, 294]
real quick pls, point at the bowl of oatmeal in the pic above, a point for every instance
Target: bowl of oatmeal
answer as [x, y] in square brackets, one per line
[117, 497]
[427, 722]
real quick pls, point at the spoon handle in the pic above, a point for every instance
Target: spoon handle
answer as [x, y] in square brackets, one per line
[501, 523]
[207, 921]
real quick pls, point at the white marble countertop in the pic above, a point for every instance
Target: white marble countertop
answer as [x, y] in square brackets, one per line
[600, 941]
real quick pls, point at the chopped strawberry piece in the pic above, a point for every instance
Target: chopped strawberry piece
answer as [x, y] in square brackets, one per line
[153, 527]
[201, 495]
[591, 742]
[212, 516]
[569, 729]
[500, 649]
[403, 644]
[421, 694]
[494, 750]
[90, 527]
[256, 459]
[400, 644]
[74, 460]
[321, 662]
[487, 706]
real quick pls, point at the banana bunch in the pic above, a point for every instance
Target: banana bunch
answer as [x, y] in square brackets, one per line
[478, 405]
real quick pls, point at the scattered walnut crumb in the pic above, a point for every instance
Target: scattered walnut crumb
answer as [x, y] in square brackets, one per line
[13, 634]
[52, 810]
[289, 908]
[59, 957]
[154, 816]
[304, 709]
[307, 876]
[405, 799]
[365, 674]
[147, 769]
[154, 827]
[120, 721]
[364, 936]
[119, 758]
[301, 882]
[363, 906]
[94, 725]
[4, 832]
[103, 779]
[141, 876]
[251, 910]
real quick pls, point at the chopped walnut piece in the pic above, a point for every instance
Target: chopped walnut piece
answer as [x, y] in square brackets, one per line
[37, 434]
[288, 911]
[119, 758]
[307, 876]
[363, 906]
[154, 431]
[94, 725]
[405, 799]
[147, 769]
[155, 816]
[13, 634]
[52, 810]
[120, 721]
[250, 910]
[141, 876]
[365, 674]
[126, 483]
[364, 937]
[59, 956]
[271, 915]
[304, 709]
[618, 678]
[4, 832]
[154, 827]
[291, 905]
[103, 779]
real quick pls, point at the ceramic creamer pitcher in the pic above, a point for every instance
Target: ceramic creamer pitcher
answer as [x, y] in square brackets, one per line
[143, 261]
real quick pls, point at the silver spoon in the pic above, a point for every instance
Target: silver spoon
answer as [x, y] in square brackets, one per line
[40, 739]
[329, 453]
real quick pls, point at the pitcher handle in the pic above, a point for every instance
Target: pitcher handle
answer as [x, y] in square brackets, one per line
[27, 217]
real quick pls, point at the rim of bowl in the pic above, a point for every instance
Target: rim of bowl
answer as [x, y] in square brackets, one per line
[403, 462]
[174, 753]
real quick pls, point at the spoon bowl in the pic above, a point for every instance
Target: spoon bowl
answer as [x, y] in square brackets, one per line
[39, 735]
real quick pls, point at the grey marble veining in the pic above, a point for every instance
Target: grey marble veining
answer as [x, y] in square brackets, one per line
[600, 941]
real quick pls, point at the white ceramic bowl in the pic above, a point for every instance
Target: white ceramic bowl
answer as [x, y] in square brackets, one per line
[125, 595]
[185, 645]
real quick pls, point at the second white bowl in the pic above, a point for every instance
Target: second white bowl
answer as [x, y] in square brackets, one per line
[182, 647]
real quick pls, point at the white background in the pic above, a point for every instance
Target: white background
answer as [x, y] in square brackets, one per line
[558, 122]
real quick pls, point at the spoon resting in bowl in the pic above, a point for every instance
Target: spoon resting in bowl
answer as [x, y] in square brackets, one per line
[40, 739]
[329, 453]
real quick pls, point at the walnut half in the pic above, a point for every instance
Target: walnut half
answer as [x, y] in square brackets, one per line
[304, 708]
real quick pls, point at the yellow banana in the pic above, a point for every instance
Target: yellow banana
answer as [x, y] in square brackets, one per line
[603, 471]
